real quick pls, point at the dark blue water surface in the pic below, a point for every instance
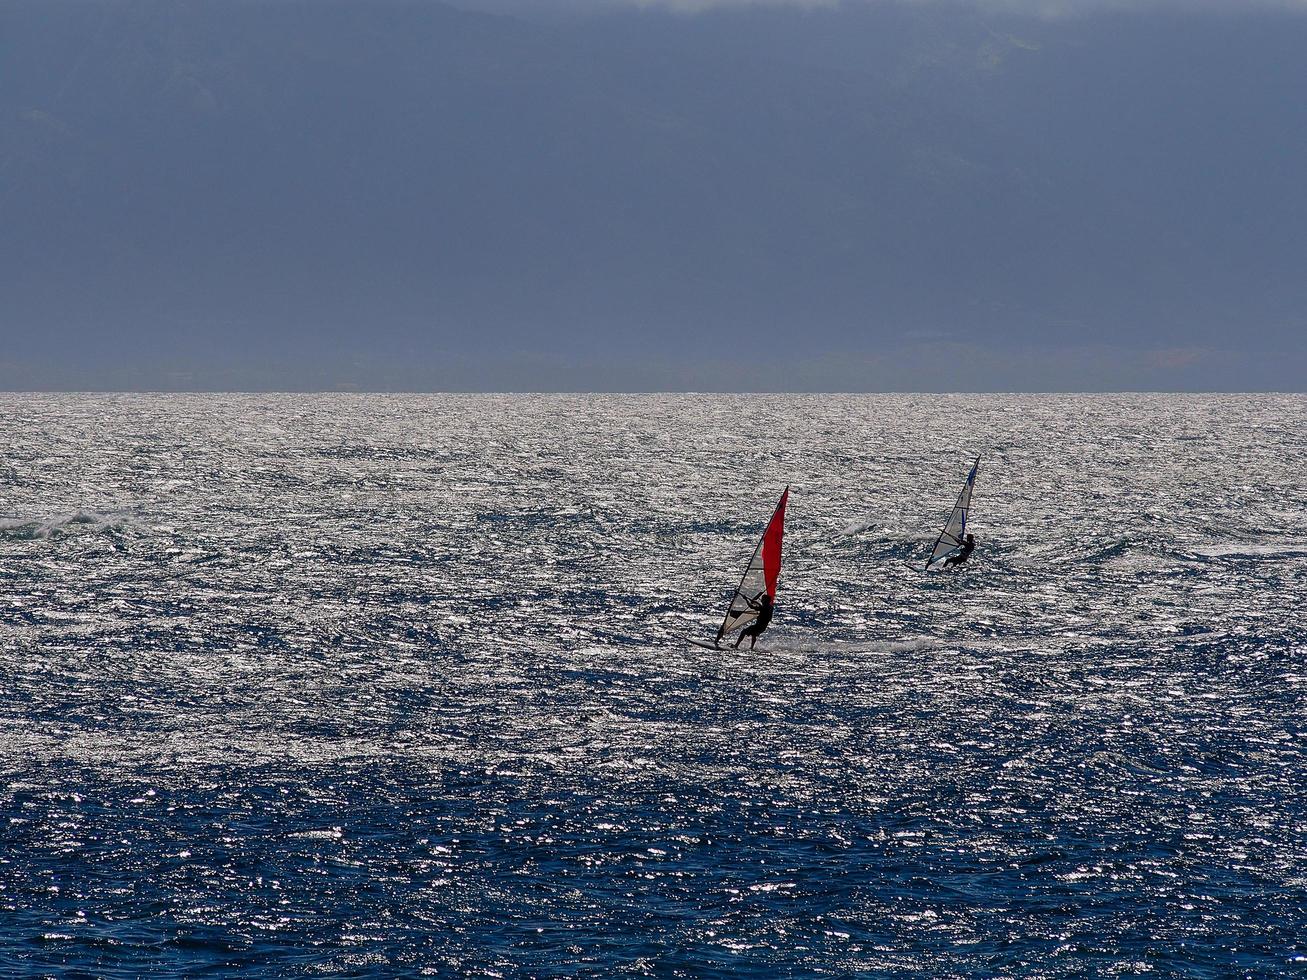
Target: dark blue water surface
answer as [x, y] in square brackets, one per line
[375, 686]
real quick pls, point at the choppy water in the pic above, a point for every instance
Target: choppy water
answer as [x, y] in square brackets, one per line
[395, 686]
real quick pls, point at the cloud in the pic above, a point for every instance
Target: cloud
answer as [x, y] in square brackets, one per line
[1060, 9]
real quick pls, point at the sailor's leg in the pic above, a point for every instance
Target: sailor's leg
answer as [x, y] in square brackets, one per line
[753, 641]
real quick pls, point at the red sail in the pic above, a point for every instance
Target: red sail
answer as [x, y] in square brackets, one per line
[771, 545]
[760, 575]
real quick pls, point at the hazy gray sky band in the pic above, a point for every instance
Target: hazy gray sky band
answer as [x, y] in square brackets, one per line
[400, 194]
[1039, 8]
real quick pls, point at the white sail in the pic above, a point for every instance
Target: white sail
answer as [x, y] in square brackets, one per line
[955, 531]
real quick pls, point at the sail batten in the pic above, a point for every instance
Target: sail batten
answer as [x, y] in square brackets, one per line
[955, 529]
[761, 574]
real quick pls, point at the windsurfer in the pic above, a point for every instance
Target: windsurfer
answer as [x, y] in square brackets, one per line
[763, 603]
[968, 546]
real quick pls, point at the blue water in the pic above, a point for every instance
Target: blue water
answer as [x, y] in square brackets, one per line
[376, 686]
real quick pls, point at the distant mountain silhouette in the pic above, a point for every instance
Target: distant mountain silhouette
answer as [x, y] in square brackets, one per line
[397, 193]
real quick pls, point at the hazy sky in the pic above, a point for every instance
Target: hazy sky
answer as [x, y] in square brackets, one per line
[607, 194]
[1037, 8]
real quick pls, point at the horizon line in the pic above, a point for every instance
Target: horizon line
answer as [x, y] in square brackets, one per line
[633, 391]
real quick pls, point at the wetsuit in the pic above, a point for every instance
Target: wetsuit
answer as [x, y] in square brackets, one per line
[968, 547]
[763, 603]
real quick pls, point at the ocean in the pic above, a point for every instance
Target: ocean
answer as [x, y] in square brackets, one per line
[398, 686]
